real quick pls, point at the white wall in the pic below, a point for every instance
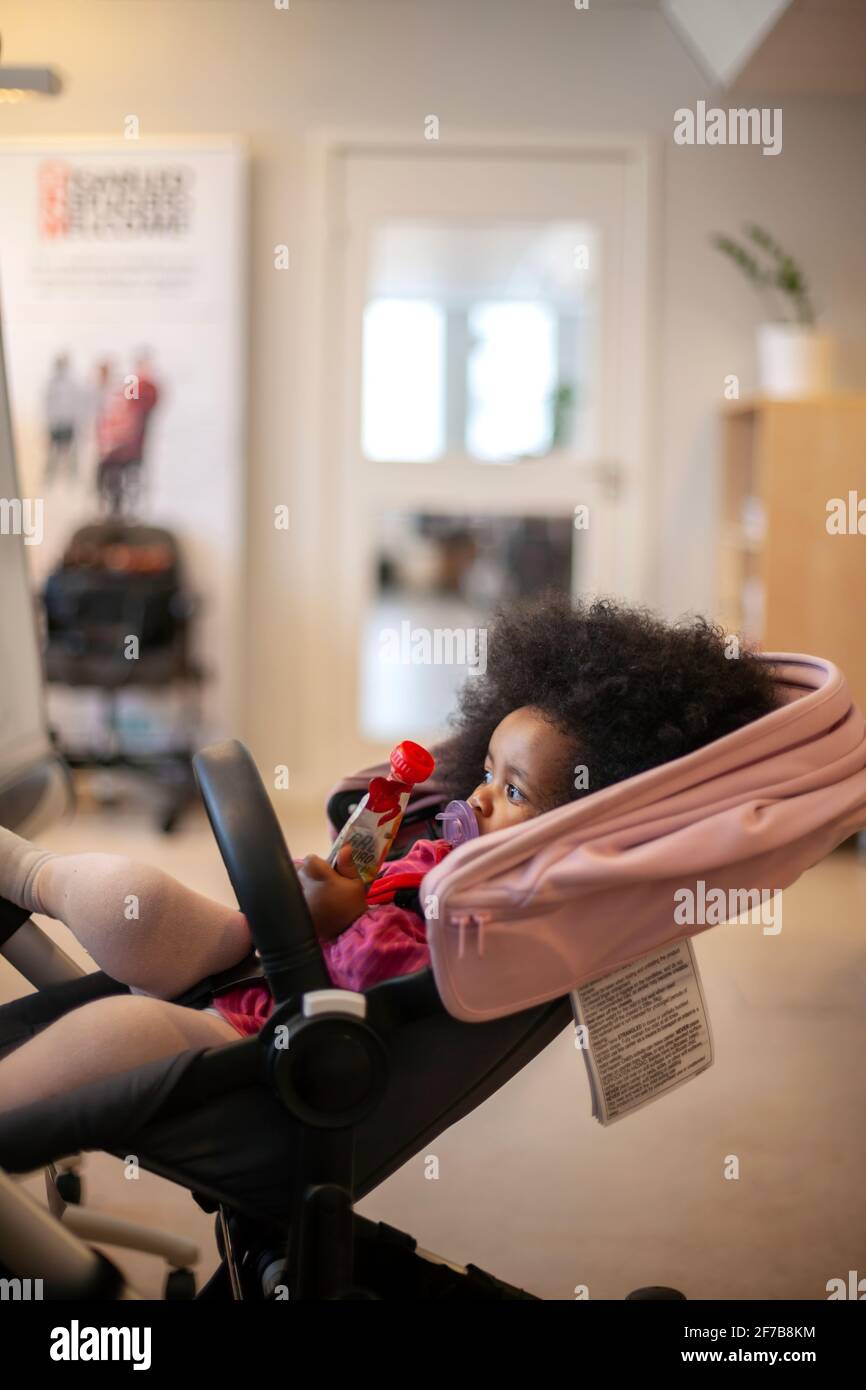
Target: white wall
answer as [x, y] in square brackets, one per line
[493, 69]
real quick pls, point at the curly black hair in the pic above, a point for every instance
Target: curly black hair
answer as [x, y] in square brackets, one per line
[631, 690]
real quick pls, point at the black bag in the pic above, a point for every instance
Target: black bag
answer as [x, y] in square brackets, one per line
[115, 581]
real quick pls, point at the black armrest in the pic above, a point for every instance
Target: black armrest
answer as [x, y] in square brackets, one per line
[248, 969]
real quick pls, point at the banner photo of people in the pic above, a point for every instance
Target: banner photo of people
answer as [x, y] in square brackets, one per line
[120, 277]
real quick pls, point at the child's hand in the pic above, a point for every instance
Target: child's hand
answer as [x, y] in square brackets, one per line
[336, 895]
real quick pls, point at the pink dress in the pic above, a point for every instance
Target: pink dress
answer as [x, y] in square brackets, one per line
[386, 941]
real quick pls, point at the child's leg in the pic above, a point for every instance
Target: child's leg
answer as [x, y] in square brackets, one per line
[139, 924]
[100, 1039]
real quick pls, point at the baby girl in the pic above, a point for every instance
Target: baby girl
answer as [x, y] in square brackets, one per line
[598, 689]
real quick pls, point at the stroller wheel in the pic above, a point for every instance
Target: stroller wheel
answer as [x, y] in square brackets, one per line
[653, 1291]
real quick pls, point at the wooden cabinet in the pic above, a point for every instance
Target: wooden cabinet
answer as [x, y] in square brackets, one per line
[786, 579]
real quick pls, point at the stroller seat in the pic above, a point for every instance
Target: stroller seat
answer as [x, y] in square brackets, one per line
[285, 1130]
[208, 1118]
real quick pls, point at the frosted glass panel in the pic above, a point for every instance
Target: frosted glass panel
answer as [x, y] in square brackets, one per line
[404, 365]
[481, 341]
[511, 380]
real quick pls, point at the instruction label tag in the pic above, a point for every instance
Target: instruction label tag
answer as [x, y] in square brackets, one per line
[643, 1030]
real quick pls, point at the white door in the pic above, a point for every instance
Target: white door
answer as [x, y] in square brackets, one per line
[486, 407]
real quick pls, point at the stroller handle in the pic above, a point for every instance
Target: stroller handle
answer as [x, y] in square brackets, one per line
[260, 868]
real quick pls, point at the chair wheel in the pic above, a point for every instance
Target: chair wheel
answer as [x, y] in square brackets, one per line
[69, 1188]
[653, 1291]
[180, 1285]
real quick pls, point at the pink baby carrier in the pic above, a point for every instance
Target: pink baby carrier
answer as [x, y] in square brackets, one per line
[525, 915]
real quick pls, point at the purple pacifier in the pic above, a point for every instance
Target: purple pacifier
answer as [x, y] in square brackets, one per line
[458, 823]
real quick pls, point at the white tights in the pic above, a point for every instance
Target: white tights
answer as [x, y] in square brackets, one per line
[145, 929]
[139, 924]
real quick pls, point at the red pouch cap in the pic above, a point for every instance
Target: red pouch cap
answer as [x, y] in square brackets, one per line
[411, 763]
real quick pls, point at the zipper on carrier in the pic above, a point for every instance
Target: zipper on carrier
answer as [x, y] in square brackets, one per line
[467, 920]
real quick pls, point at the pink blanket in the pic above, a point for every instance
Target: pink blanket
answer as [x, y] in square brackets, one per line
[527, 914]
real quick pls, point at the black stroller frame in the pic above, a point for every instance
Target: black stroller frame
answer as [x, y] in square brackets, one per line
[323, 1104]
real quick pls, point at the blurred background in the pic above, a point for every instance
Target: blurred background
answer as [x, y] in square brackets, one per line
[331, 326]
[439, 283]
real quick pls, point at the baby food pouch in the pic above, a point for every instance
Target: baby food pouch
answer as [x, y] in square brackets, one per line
[371, 828]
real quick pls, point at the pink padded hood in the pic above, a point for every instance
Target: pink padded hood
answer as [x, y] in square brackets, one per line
[524, 915]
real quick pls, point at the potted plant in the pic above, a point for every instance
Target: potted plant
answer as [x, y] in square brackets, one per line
[793, 353]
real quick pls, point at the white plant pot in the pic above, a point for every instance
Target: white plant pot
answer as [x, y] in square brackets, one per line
[793, 360]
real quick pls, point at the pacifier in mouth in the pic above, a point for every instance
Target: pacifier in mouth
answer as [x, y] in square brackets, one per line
[459, 823]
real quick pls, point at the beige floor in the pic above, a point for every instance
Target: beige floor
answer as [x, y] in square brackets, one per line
[533, 1189]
